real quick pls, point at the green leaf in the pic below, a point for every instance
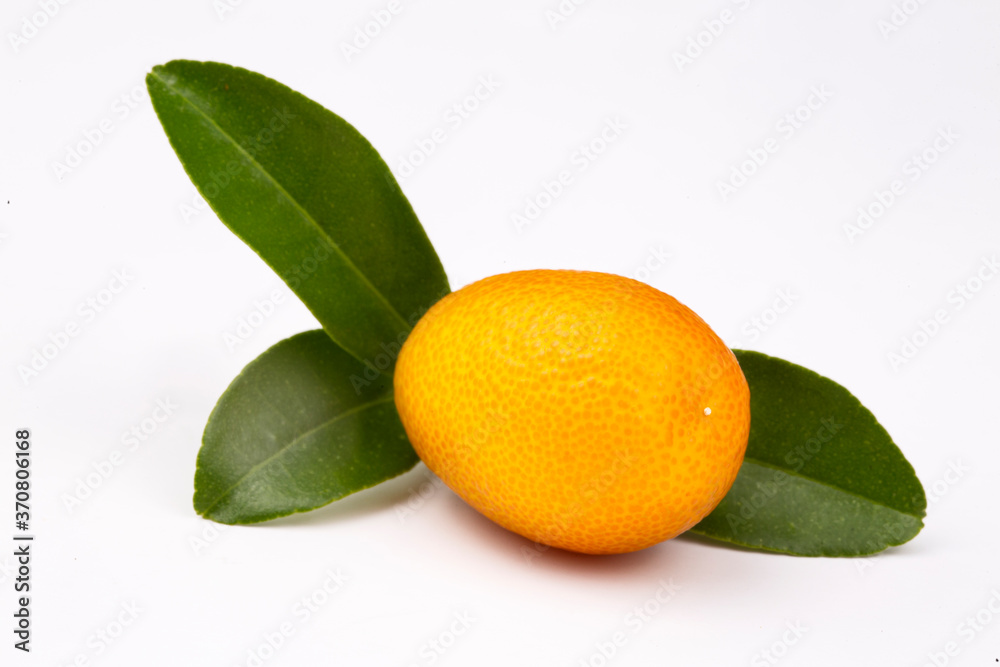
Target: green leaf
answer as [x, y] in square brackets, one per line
[821, 476]
[309, 194]
[298, 429]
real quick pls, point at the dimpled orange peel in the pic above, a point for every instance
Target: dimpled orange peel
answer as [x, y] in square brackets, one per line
[582, 410]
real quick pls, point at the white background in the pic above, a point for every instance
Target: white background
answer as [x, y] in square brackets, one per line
[211, 598]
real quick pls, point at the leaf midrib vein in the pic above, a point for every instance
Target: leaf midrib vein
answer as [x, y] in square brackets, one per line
[305, 214]
[281, 451]
[793, 473]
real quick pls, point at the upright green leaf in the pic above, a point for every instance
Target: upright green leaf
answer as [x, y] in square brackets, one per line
[821, 476]
[295, 431]
[309, 194]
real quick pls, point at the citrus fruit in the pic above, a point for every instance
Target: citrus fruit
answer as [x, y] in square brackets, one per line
[582, 410]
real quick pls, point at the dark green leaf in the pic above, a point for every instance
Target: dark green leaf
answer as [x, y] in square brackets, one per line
[309, 194]
[821, 476]
[297, 429]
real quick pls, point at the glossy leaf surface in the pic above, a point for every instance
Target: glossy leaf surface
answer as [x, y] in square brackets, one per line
[821, 476]
[296, 430]
[309, 194]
